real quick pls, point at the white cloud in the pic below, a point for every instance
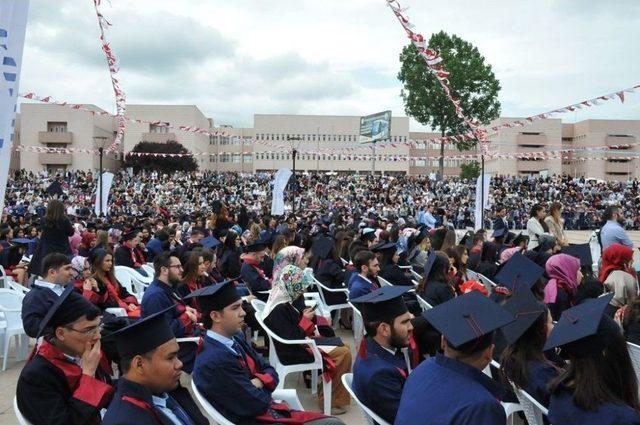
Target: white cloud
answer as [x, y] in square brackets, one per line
[233, 59]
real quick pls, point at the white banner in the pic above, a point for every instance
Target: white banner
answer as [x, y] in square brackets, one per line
[279, 183]
[13, 24]
[478, 214]
[108, 180]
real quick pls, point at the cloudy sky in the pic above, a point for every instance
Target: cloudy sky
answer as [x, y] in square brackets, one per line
[235, 58]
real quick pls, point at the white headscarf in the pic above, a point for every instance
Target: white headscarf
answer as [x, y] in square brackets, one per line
[290, 284]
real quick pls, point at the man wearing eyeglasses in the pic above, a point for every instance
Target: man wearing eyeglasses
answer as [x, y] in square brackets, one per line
[161, 295]
[67, 381]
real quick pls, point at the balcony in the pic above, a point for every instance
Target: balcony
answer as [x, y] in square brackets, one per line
[158, 137]
[618, 167]
[55, 159]
[532, 139]
[56, 137]
[619, 140]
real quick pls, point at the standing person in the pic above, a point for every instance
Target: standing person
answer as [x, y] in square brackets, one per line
[380, 372]
[67, 381]
[536, 226]
[149, 390]
[613, 232]
[500, 222]
[229, 373]
[161, 294]
[555, 222]
[586, 392]
[56, 231]
[451, 388]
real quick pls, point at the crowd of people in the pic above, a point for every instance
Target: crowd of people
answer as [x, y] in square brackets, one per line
[222, 264]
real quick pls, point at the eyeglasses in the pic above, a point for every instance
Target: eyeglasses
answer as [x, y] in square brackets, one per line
[89, 331]
[179, 266]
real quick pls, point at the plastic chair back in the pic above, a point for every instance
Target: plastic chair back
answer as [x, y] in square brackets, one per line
[369, 416]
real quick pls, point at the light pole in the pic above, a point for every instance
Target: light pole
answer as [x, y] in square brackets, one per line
[294, 152]
[100, 142]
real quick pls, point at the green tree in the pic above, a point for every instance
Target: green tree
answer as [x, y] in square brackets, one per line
[470, 79]
[470, 170]
[159, 163]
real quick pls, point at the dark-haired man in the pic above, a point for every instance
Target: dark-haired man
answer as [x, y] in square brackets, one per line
[366, 278]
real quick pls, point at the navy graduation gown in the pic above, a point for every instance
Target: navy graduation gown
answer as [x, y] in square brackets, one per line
[538, 376]
[359, 286]
[255, 282]
[378, 379]
[444, 391]
[35, 305]
[52, 390]
[132, 404]
[563, 411]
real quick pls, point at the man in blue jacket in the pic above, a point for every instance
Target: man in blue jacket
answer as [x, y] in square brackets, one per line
[366, 280]
[380, 372]
[451, 388]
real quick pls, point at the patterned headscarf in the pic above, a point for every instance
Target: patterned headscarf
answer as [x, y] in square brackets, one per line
[291, 283]
[286, 256]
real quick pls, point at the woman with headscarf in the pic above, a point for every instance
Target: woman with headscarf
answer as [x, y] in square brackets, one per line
[287, 256]
[87, 243]
[618, 276]
[286, 315]
[564, 277]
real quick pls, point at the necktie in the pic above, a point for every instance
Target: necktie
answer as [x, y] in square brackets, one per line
[177, 410]
[237, 348]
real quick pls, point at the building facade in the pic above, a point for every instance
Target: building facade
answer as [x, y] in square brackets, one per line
[326, 143]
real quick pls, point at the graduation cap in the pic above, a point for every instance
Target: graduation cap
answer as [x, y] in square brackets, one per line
[520, 238]
[67, 308]
[368, 232]
[428, 265]
[519, 270]
[467, 239]
[467, 318]
[144, 335]
[255, 247]
[581, 251]
[130, 234]
[384, 246]
[210, 242]
[584, 330]
[216, 297]
[526, 309]
[499, 233]
[382, 304]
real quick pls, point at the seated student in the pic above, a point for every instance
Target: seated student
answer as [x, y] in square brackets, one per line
[366, 280]
[435, 287]
[328, 270]
[103, 289]
[599, 385]
[67, 381]
[523, 362]
[193, 275]
[618, 276]
[57, 270]
[389, 254]
[149, 390]
[252, 274]
[451, 388]
[380, 372]
[564, 278]
[128, 253]
[161, 294]
[287, 316]
[235, 379]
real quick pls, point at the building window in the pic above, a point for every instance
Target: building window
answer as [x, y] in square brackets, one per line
[159, 129]
[236, 158]
[247, 158]
[57, 127]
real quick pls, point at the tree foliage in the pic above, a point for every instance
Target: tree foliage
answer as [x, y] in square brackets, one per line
[470, 170]
[166, 164]
[471, 79]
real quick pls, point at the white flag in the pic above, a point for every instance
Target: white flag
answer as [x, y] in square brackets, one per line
[487, 181]
[279, 183]
[106, 187]
[13, 24]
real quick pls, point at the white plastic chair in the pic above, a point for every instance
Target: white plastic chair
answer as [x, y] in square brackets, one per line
[488, 283]
[117, 311]
[344, 262]
[370, 417]
[533, 410]
[358, 329]
[634, 353]
[509, 408]
[288, 396]
[11, 307]
[20, 290]
[151, 272]
[384, 282]
[329, 308]
[4, 278]
[283, 370]
[21, 419]
[423, 303]
[123, 275]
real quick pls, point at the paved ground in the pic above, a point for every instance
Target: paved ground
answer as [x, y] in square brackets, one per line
[9, 378]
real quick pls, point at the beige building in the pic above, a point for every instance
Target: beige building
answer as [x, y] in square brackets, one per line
[325, 143]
